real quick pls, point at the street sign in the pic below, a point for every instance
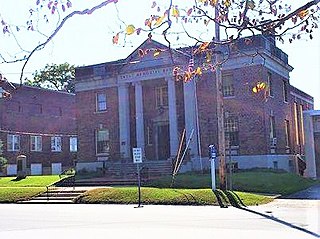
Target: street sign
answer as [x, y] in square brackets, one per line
[137, 159]
[213, 152]
[137, 155]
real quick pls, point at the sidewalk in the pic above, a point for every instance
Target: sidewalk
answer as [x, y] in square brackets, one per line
[312, 193]
[303, 215]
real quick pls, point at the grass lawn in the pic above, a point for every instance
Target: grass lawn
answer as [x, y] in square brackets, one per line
[250, 199]
[258, 181]
[11, 195]
[189, 189]
[13, 191]
[271, 182]
[129, 195]
[29, 181]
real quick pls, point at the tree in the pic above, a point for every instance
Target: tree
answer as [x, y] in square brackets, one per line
[58, 77]
[235, 17]
[3, 161]
[181, 23]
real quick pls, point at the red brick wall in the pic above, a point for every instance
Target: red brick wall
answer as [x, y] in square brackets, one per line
[88, 121]
[252, 110]
[34, 111]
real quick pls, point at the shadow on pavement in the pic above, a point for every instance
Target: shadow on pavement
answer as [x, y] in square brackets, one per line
[281, 222]
[241, 206]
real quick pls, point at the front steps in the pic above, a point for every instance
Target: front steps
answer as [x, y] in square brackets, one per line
[57, 196]
[106, 181]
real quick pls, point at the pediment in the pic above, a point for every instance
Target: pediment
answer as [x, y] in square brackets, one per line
[151, 54]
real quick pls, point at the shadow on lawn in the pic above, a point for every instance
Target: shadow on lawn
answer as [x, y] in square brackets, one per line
[17, 179]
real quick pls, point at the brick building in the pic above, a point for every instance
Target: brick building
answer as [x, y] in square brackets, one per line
[40, 124]
[136, 102]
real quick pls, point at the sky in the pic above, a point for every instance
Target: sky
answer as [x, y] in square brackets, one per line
[86, 40]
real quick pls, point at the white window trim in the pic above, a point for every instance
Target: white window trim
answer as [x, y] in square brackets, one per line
[149, 136]
[13, 138]
[96, 139]
[160, 102]
[270, 85]
[37, 143]
[228, 91]
[287, 133]
[56, 147]
[73, 141]
[285, 91]
[97, 102]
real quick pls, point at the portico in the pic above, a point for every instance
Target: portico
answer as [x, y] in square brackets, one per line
[163, 118]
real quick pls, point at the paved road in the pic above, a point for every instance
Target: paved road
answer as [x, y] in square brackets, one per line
[276, 220]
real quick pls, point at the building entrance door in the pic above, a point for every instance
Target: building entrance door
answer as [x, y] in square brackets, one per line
[163, 142]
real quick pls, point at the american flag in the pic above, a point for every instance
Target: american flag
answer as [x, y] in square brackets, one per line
[191, 65]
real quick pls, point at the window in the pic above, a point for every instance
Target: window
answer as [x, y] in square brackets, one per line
[56, 144]
[231, 130]
[296, 126]
[227, 84]
[272, 128]
[101, 102]
[285, 91]
[33, 108]
[162, 96]
[149, 135]
[301, 124]
[36, 143]
[287, 132]
[103, 142]
[13, 142]
[73, 144]
[270, 87]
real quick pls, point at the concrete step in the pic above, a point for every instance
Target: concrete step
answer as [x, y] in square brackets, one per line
[54, 198]
[104, 182]
[62, 194]
[56, 195]
[44, 201]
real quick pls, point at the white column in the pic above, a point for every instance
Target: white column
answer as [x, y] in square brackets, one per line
[124, 120]
[309, 146]
[190, 116]
[173, 123]
[139, 116]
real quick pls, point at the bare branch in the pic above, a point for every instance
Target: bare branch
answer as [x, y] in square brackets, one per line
[64, 20]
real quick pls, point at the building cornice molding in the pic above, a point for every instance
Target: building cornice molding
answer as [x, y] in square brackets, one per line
[266, 60]
[301, 97]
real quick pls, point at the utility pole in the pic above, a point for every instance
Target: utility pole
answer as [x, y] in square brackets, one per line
[220, 110]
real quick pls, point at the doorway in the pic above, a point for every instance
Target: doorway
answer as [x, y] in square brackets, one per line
[162, 142]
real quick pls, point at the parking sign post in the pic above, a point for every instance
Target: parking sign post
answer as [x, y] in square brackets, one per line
[137, 159]
[213, 156]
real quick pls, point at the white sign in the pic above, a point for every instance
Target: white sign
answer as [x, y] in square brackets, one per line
[137, 155]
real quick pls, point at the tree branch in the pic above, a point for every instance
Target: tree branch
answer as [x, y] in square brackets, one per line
[64, 20]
